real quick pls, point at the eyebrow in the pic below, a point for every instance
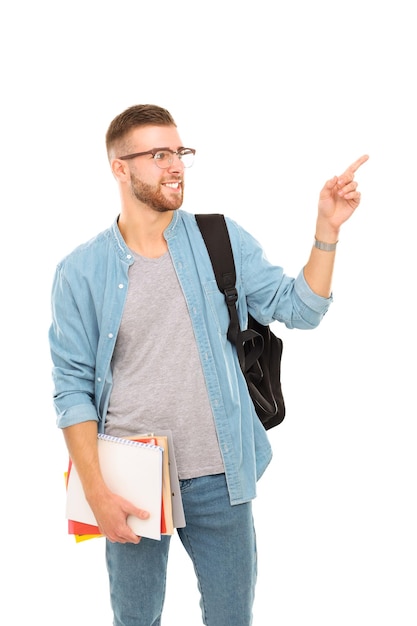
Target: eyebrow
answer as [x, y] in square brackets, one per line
[167, 148]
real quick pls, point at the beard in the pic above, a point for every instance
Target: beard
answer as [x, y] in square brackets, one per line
[154, 197]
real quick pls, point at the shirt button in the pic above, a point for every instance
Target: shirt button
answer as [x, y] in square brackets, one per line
[110, 335]
[98, 379]
[128, 256]
[121, 286]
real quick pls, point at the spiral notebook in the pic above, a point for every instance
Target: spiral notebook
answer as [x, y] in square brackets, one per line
[131, 469]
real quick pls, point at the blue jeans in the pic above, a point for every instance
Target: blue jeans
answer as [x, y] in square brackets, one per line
[220, 540]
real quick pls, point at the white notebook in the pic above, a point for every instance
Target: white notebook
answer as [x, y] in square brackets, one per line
[131, 469]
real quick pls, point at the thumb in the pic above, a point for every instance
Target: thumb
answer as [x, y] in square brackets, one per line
[137, 512]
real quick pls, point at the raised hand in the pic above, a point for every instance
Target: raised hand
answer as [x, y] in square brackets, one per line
[339, 197]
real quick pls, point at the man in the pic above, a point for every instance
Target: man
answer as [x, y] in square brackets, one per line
[138, 342]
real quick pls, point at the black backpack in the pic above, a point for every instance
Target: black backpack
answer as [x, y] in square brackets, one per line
[259, 350]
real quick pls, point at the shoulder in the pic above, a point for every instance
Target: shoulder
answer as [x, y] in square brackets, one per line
[234, 228]
[93, 251]
[241, 240]
[85, 248]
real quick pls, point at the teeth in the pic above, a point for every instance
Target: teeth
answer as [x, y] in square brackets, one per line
[172, 185]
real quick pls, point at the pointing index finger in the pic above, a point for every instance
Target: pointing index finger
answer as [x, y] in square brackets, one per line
[356, 165]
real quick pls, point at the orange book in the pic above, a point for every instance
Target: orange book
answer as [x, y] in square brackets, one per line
[167, 524]
[171, 485]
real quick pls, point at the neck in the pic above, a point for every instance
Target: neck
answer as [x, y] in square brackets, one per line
[144, 233]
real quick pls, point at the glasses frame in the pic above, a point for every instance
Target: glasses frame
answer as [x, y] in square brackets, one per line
[155, 151]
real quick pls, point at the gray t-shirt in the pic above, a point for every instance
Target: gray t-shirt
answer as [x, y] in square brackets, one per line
[158, 381]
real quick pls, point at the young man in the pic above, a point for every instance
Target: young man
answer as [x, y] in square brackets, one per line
[138, 342]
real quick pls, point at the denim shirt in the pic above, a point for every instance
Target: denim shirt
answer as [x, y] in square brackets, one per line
[88, 296]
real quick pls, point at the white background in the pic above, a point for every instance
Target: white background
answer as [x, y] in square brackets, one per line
[276, 98]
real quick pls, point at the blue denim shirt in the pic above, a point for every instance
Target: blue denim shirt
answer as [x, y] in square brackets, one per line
[88, 296]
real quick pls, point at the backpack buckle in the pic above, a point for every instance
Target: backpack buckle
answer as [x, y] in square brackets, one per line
[230, 295]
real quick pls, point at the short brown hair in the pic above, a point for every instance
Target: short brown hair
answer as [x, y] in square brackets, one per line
[134, 116]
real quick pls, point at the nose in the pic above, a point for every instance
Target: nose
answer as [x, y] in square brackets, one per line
[176, 164]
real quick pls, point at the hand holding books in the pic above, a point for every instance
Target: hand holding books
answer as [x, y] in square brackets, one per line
[139, 469]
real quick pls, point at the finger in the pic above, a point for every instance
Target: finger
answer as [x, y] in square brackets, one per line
[131, 538]
[349, 187]
[330, 184]
[349, 173]
[356, 165]
[140, 513]
[353, 195]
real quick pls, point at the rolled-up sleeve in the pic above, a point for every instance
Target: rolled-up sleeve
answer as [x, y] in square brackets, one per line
[72, 356]
[311, 306]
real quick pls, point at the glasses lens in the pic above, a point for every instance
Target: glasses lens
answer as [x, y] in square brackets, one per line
[163, 159]
[187, 157]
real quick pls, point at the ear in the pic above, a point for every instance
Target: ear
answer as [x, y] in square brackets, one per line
[120, 169]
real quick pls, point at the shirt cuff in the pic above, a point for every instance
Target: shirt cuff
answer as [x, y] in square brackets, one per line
[309, 298]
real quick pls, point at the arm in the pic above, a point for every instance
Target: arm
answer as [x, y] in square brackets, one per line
[338, 200]
[74, 337]
[109, 509]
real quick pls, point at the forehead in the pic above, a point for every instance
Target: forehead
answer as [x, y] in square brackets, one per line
[148, 137]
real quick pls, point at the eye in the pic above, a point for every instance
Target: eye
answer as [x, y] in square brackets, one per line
[187, 156]
[162, 156]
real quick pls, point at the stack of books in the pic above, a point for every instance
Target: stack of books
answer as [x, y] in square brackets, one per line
[141, 469]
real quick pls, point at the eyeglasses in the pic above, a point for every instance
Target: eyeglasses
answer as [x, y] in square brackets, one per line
[164, 157]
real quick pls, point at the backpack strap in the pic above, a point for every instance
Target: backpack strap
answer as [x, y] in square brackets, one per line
[216, 237]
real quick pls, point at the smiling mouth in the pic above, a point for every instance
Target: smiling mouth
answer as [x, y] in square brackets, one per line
[174, 185]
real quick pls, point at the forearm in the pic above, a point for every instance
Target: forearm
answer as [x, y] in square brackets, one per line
[318, 271]
[81, 441]
[110, 510]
